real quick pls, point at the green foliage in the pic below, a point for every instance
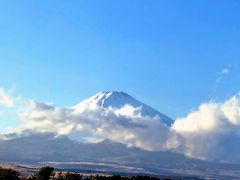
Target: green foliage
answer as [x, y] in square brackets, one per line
[8, 174]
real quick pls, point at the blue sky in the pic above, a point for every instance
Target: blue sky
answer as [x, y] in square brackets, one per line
[168, 54]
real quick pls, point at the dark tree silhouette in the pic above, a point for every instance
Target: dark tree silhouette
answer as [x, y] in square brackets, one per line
[8, 174]
[45, 173]
[68, 176]
[73, 176]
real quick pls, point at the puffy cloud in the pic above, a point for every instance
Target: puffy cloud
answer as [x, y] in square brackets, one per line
[43, 117]
[5, 98]
[125, 124]
[128, 111]
[212, 131]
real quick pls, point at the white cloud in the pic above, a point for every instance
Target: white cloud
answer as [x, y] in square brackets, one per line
[125, 125]
[209, 132]
[5, 98]
[128, 111]
[221, 75]
[212, 131]
[225, 71]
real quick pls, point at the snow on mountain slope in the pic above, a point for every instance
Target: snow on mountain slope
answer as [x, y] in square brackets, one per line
[120, 101]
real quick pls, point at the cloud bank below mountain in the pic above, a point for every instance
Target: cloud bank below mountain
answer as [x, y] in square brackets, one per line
[210, 132]
[96, 123]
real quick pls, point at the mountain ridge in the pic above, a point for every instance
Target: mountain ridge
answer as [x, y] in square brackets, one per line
[107, 156]
[119, 99]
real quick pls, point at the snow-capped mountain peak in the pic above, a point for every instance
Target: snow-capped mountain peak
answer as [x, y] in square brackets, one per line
[117, 100]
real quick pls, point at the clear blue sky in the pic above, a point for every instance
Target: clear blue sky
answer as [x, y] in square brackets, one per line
[168, 54]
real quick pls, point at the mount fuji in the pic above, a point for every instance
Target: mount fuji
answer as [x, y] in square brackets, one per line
[117, 100]
[113, 154]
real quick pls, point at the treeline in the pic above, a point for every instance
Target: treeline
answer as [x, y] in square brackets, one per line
[47, 173]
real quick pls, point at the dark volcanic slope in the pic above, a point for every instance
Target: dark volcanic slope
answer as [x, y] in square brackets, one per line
[106, 156]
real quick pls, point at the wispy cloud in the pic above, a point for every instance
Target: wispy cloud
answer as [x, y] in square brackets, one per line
[5, 98]
[225, 71]
[221, 75]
